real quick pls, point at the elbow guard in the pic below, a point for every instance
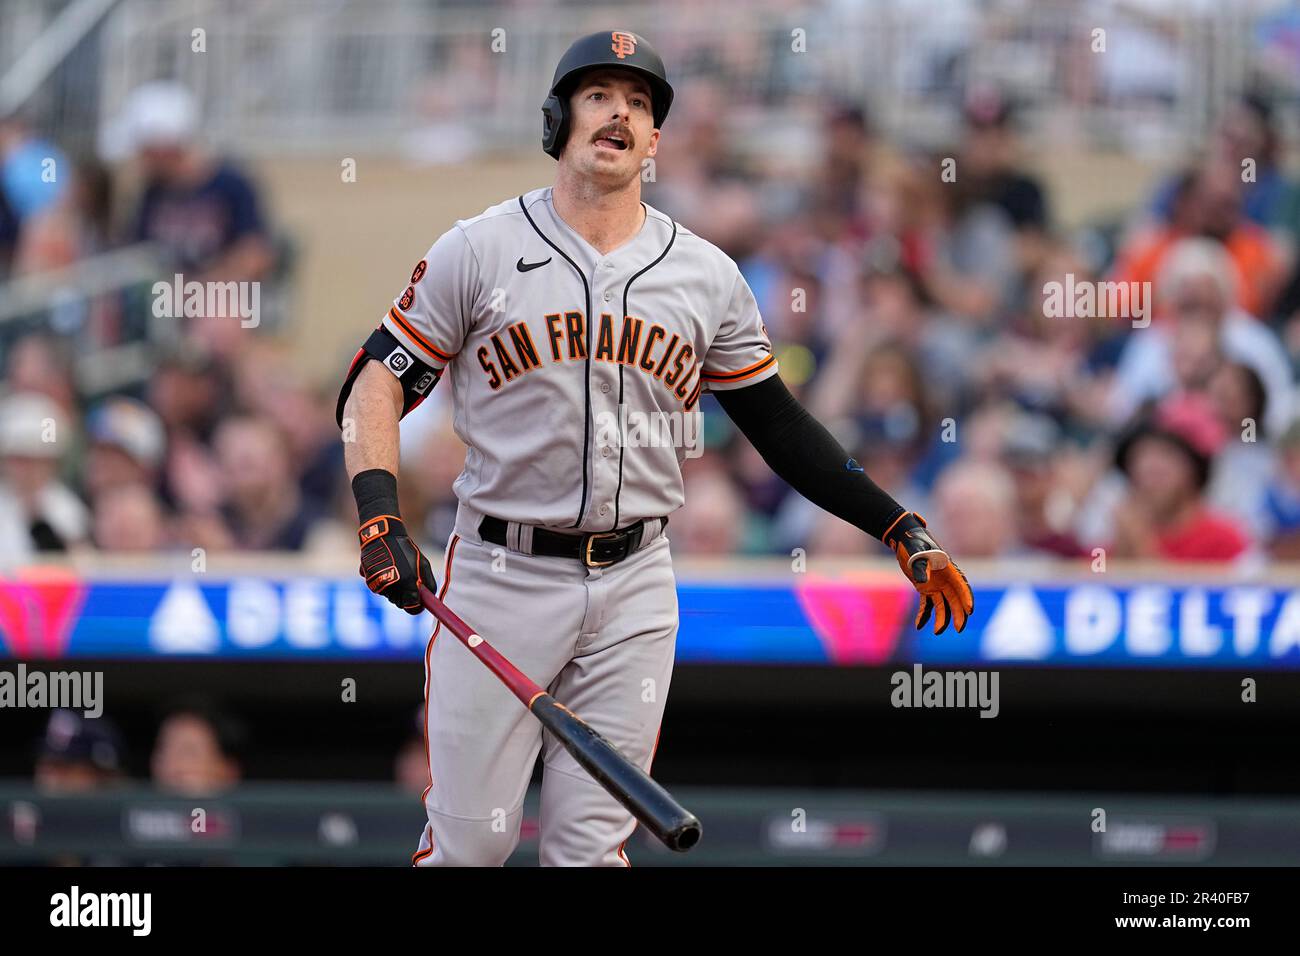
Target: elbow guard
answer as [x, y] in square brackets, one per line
[417, 378]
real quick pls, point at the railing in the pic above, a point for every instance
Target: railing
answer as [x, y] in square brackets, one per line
[106, 302]
[103, 302]
[314, 824]
[50, 67]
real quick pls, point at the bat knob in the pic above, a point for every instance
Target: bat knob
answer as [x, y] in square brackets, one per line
[685, 835]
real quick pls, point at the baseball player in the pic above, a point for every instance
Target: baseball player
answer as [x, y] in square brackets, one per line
[578, 327]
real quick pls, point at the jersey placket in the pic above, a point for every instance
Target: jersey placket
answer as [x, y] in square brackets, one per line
[606, 412]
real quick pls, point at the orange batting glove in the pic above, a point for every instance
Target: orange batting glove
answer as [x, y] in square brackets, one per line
[936, 577]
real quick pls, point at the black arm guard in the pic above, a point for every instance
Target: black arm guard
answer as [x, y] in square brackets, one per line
[416, 377]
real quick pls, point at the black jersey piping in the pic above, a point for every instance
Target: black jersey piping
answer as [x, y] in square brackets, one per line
[586, 424]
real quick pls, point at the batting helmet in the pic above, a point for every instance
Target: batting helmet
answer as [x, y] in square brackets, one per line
[609, 48]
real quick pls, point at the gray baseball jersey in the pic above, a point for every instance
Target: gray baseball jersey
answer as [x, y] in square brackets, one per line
[575, 381]
[566, 365]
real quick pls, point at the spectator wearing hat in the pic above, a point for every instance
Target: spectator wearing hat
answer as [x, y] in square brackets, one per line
[1166, 459]
[38, 512]
[127, 446]
[77, 754]
[202, 210]
[76, 757]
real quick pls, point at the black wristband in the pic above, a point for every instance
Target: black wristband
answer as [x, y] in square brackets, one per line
[376, 493]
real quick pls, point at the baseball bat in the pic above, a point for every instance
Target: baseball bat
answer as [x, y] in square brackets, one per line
[675, 826]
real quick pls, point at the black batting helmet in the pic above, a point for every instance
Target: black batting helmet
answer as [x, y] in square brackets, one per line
[610, 48]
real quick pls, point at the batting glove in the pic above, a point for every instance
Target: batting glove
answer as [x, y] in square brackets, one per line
[936, 577]
[392, 564]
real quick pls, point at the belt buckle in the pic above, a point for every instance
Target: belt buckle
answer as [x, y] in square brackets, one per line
[586, 549]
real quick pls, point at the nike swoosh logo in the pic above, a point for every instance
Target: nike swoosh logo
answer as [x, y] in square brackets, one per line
[530, 266]
[852, 465]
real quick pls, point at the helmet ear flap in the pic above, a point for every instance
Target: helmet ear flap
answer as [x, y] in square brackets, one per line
[555, 126]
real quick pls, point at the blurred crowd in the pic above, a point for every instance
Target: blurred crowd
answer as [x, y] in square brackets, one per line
[197, 750]
[223, 456]
[908, 294]
[916, 302]
[221, 444]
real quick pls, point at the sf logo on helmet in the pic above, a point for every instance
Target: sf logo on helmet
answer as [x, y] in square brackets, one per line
[624, 44]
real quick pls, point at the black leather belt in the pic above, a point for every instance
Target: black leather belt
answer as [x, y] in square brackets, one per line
[596, 549]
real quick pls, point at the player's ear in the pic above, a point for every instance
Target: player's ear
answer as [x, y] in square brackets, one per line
[654, 143]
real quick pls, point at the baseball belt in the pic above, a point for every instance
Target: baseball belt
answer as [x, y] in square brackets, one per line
[596, 549]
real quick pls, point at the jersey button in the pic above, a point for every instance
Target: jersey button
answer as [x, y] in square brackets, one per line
[608, 296]
[604, 510]
[604, 452]
[604, 387]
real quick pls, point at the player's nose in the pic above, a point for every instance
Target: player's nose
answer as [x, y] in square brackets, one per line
[622, 110]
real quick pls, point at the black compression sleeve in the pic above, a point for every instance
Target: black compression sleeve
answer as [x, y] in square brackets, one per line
[804, 454]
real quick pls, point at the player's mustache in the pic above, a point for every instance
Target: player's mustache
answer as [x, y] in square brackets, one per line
[622, 132]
